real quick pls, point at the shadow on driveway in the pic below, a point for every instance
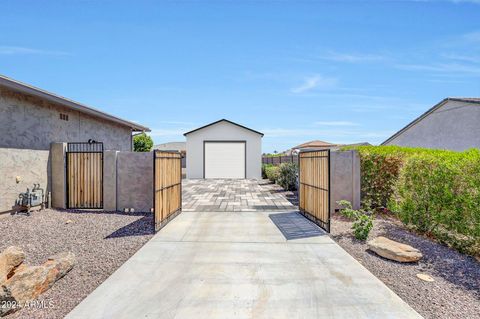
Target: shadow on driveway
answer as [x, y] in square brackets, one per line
[295, 226]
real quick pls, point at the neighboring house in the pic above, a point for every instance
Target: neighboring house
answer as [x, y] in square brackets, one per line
[317, 145]
[356, 144]
[452, 124]
[31, 119]
[224, 149]
[311, 145]
[172, 146]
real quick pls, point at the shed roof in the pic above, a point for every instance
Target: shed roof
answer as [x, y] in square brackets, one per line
[475, 100]
[28, 89]
[222, 120]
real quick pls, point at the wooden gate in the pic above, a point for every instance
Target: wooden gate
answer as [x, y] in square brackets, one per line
[314, 188]
[84, 168]
[167, 186]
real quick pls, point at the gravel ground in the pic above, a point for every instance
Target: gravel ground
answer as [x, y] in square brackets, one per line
[455, 293]
[101, 241]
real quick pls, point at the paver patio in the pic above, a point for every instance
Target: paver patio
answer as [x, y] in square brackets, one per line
[242, 265]
[229, 195]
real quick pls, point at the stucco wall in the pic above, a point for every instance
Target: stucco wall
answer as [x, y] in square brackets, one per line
[345, 179]
[454, 126]
[110, 180]
[223, 131]
[31, 166]
[135, 181]
[30, 123]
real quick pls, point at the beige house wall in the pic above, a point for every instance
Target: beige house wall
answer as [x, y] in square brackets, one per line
[453, 126]
[19, 170]
[31, 123]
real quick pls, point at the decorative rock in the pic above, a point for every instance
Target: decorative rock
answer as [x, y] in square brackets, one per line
[10, 258]
[69, 221]
[425, 277]
[60, 264]
[394, 250]
[29, 282]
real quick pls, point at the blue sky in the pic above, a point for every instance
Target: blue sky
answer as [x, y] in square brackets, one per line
[339, 71]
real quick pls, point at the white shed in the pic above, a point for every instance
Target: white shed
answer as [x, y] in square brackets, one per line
[224, 149]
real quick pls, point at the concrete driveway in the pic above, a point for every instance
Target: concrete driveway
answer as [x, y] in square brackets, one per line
[242, 265]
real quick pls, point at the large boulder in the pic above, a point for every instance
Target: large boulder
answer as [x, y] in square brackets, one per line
[394, 250]
[10, 258]
[30, 281]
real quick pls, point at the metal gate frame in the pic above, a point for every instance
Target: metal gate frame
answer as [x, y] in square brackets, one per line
[323, 224]
[159, 224]
[84, 147]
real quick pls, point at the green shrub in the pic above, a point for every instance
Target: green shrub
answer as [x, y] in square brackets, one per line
[438, 194]
[379, 175]
[287, 176]
[264, 167]
[362, 220]
[142, 143]
[272, 172]
[380, 168]
[434, 192]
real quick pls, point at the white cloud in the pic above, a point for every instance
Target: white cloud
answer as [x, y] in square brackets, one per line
[168, 133]
[331, 135]
[441, 68]
[177, 123]
[465, 1]
[472, 36]
[462, 57]
[336, 123]
[350, 58]
[452, 1]
[314, 82]
[13, 50]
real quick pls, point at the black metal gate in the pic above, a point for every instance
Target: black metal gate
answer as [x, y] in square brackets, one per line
[84, 174]
[314, 188]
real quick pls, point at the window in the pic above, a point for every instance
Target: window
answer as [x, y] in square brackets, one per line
[64, 117]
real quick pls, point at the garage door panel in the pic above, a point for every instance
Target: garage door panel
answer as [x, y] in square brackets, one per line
[225, 159]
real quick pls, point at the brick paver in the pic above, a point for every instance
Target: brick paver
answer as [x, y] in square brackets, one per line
[234, 195]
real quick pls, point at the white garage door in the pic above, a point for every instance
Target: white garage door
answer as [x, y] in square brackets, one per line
[225, 159]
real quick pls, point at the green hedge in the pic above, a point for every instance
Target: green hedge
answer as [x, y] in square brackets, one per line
[271, 172]
[264, 173]
[439, 195]
[434, 192]
[380, 168]
[287, 176]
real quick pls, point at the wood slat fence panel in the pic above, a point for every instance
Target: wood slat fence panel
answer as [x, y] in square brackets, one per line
[277, 160]
[167, 187]
[84, 166]
[314, 188]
